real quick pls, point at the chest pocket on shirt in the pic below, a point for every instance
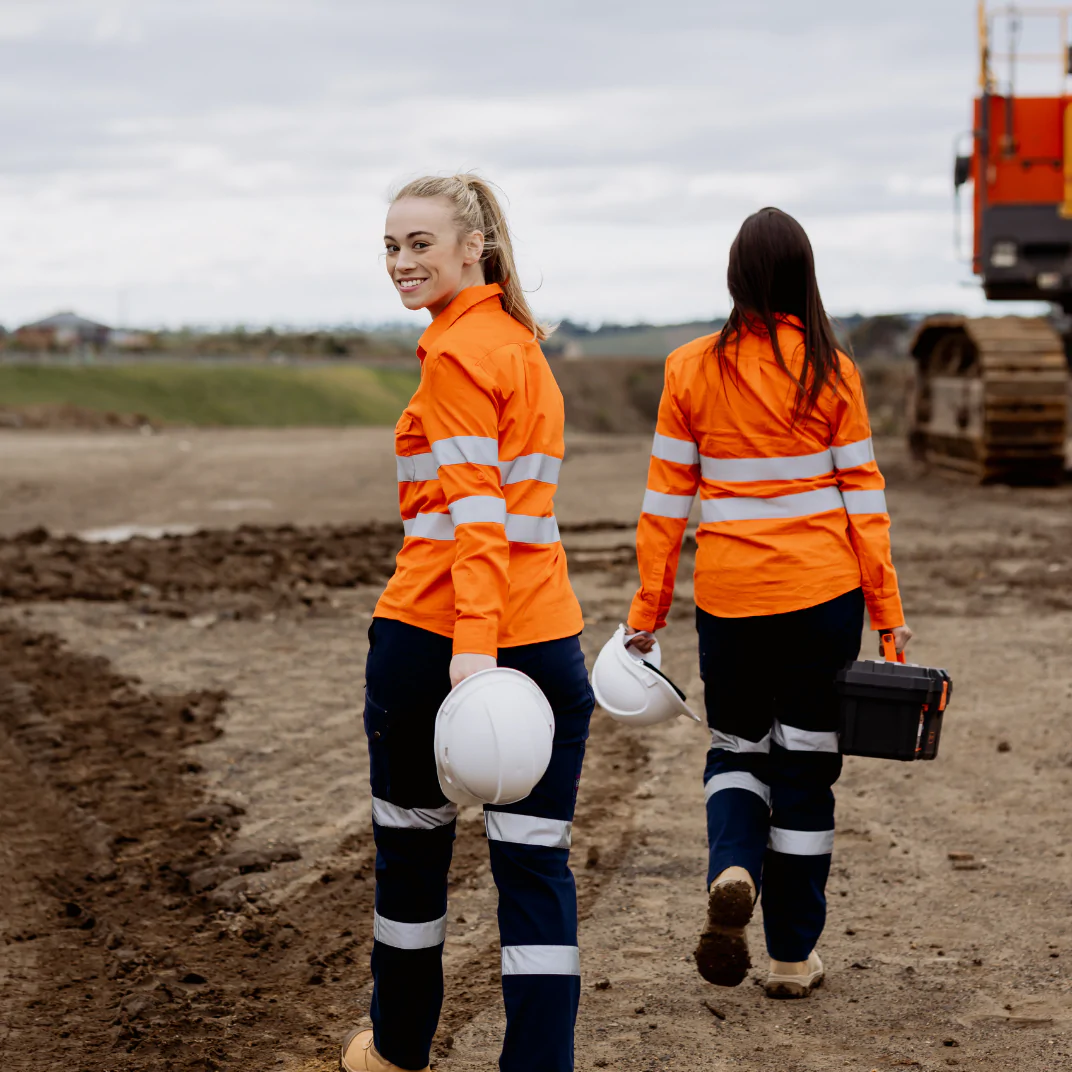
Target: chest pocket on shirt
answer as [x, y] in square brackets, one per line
[409, 437]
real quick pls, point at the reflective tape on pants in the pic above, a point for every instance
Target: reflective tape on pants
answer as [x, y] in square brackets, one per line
[541, 960]
[801, 842]
[729, 743]
[736, 780]
[804, 740]
[409, 935]
[391, 815]
[528, 829]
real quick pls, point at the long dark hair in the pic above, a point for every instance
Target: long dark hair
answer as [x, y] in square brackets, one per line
[771, 276]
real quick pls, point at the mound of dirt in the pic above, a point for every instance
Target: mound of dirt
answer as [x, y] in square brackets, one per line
[125, 913]
[97, 799]
[257, 567]
[72, 418]
[610, 394]
[621, 395]
[246, 571]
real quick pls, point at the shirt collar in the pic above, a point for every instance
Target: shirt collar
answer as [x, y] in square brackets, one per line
[781, 320]
[463, 301]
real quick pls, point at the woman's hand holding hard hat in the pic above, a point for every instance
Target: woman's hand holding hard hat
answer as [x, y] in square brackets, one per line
[464, 664]
[644, 642]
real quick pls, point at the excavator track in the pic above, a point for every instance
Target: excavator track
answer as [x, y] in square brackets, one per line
[990, 398]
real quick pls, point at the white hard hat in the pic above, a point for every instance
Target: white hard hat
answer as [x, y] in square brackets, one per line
[493, 737]
[631, 688]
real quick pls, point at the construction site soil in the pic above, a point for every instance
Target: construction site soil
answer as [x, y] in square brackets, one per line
[185, 853]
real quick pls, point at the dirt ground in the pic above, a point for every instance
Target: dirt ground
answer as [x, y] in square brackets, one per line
[185, 853]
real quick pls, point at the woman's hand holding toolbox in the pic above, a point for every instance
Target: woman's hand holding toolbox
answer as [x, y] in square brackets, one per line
[900, 636]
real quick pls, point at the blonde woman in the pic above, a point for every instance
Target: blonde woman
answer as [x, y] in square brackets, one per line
[480, 581]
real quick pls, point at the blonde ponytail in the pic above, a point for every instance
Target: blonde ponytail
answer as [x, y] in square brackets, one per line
[476, 208]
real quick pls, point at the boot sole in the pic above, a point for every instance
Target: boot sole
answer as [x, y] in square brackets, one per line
[792, 989]
[722, 956]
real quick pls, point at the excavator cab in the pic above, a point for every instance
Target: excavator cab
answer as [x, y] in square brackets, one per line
[990, 395]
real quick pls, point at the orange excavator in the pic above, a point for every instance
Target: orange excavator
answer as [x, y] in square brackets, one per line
[990, 396]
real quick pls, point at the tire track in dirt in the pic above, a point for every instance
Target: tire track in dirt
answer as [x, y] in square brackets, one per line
[136, 964]
[119, 964]
[149, 943]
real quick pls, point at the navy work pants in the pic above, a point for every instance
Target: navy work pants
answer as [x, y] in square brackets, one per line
[773, 712]
[407, 678]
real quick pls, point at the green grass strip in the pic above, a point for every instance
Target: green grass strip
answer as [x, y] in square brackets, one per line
[220, 395]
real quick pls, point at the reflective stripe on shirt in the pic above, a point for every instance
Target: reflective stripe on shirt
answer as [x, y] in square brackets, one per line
[741, 470]
[412, 467]
[542, 467]
[462, 449]
[668, 449]
[520, 528]
[865, 502]
[523, 528]
[798, 467]
[659, 504]
[778, 508]
[853, 454]
[473, 509]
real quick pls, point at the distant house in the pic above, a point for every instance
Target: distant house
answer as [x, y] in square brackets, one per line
[63, 331]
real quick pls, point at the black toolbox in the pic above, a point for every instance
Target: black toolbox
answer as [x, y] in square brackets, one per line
[892, 709]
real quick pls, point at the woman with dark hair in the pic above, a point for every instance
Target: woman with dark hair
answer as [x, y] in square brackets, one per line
[767, 420]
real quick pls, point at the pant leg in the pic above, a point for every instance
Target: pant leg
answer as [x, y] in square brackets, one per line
[529, 844]
[407, 677]
[734, 653]
[804, 765]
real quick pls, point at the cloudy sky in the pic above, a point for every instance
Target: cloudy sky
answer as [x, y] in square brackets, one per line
[228, 161]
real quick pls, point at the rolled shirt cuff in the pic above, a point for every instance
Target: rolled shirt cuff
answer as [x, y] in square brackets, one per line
[885, 612]
[643, 618]
[476, 636]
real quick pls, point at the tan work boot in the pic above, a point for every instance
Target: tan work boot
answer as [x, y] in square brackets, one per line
[794, 980]
[359, 1055]
[722, 953]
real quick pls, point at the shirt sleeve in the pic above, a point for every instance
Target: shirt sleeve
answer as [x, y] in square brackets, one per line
[462, 426]
[862, 487]
[673, 479]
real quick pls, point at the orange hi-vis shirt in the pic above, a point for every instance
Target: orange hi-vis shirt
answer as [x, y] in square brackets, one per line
[478, 451]
[790, 517]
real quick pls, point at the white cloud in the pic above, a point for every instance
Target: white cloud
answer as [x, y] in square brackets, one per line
[230, 161]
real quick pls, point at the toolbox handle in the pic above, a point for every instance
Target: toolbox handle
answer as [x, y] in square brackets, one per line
[889, 649]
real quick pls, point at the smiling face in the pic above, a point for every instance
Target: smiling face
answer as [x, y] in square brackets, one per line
[427, 260]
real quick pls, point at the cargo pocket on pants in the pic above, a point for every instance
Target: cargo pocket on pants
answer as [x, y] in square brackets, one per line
[377, 730]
